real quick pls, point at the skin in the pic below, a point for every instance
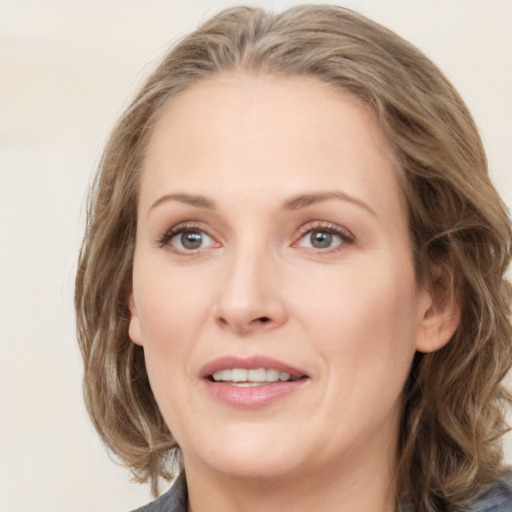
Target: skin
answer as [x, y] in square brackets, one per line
[350, 315]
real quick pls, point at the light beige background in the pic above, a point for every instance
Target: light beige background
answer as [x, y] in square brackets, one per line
[67, 69]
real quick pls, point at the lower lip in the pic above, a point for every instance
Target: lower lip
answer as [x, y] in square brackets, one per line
[252, 397]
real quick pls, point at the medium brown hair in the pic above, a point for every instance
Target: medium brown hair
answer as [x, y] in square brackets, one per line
[454, 403]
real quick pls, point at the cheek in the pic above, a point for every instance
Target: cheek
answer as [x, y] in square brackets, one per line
[169, 315]
[366, 316]
[170, 305]
[170, 311]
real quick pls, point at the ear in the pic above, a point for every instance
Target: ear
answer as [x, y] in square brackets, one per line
[440, 312]
[134, 325]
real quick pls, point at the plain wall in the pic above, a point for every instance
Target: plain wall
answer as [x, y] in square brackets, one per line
[67, 69]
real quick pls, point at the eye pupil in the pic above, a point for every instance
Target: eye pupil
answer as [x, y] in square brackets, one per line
[191, 240]
[321, 239]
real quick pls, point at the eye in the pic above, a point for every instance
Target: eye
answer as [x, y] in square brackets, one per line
[318, 239]
[186, 239]
[324, 238]
[191, 240]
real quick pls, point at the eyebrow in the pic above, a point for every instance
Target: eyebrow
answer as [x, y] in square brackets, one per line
[295, 203]
[304, 200]
[194, 200]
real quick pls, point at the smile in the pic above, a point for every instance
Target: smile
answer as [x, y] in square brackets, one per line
[251, 383]
[249, 378]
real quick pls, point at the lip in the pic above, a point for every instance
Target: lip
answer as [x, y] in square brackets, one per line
[249, 363]
[251, 397]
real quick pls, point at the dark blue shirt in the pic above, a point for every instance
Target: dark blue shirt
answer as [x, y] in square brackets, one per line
[497, 499]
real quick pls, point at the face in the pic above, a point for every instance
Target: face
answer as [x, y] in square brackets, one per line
[273, 286]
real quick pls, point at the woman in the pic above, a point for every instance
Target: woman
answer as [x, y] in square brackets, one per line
[293, 276]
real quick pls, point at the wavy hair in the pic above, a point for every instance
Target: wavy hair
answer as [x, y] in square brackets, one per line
[454, 401]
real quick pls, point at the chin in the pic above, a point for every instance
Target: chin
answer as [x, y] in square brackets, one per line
[254, 467]
[252, 455]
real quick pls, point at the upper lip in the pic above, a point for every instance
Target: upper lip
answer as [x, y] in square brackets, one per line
[249, 363]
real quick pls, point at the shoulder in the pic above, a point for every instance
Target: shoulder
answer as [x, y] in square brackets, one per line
[174, 500]
[496, 499]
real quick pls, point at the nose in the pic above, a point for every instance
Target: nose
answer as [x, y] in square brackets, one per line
[250, 299]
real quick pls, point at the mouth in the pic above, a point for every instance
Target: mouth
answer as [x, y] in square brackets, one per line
[251, 382]
[242, 377]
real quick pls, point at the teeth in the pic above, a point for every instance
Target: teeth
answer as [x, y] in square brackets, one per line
[249, 378]
[239, 375]
[225, 375]
[272, 375]
[258, 375]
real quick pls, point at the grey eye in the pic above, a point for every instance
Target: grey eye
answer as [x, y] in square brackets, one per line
[320, 239]
[191, 240]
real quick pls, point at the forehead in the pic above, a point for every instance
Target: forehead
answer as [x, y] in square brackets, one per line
[251, 101]
[262, 132]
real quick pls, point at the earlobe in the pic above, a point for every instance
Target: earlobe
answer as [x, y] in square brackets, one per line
[441, 317]
[133, 325]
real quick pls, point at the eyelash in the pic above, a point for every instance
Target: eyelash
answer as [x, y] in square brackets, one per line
[346, 237]
[166, 237]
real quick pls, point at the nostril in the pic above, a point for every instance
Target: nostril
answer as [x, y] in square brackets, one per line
[263, 319]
